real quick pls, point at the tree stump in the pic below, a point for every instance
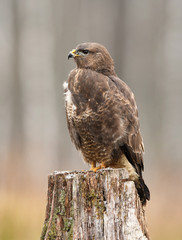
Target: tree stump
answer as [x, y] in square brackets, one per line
[87, 205]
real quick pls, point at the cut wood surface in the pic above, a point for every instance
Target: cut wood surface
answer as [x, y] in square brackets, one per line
[87, 205]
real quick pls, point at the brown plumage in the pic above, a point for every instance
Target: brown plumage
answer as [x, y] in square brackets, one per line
[102, 115]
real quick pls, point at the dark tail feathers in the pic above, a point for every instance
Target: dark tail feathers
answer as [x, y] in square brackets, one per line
[143, 190]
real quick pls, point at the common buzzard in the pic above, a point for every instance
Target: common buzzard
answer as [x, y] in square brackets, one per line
[102, 115]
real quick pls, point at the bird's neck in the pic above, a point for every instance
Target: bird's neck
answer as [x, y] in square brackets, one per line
[107, 72]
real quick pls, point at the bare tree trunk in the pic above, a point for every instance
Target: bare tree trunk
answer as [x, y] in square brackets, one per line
[88, 205]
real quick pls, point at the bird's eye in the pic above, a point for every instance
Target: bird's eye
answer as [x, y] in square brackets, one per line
[85, 51]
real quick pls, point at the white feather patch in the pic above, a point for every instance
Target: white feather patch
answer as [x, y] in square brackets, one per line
[65, 86]
[68, 99]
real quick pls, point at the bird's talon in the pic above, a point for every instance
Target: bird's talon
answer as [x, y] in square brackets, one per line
[94, 169]
[93, 166]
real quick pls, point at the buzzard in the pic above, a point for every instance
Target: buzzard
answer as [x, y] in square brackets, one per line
[102, 115]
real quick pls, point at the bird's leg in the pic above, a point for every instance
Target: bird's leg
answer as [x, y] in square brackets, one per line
[93, 165]
[102, 165]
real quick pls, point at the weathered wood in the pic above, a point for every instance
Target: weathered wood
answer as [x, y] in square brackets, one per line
[87, 205]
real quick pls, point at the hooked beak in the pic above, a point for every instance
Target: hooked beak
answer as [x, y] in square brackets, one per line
[73, 54]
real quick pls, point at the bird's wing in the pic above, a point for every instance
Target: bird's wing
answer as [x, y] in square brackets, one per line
[133, 143]
[132, 146]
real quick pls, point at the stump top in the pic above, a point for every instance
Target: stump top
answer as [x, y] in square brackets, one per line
[71, 174]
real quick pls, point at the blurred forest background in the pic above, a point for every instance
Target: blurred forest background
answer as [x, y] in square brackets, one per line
[145, 39]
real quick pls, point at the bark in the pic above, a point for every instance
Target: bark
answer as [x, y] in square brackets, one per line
[87, 205]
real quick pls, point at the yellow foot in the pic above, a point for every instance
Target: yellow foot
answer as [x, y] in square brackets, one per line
[102, 165]
[93, 166]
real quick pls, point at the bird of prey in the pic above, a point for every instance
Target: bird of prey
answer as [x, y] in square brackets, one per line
[102, 115]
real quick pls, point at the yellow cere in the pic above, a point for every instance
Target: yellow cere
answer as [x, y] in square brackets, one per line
[74, 53]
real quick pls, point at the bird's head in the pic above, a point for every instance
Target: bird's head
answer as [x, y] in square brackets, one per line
[93, 56]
